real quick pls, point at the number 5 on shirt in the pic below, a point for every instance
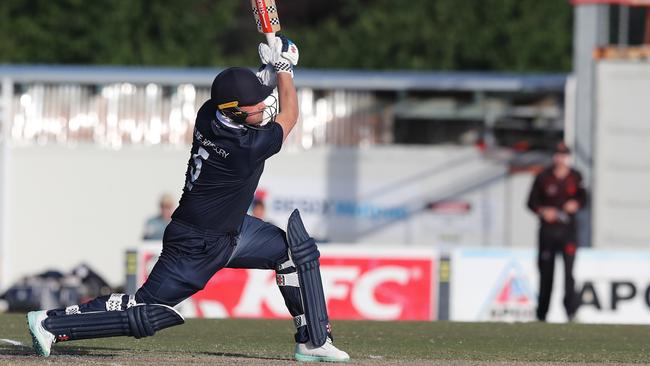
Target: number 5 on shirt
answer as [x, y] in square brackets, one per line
[195, 170]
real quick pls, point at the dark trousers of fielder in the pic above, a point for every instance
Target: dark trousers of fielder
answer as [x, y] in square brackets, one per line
[552, 241]
[190, 257]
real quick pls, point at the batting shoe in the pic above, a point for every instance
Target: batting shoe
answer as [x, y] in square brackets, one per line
[41, 338]
[325, 353]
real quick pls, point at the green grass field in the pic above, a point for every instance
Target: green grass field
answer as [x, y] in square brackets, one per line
[270, 342]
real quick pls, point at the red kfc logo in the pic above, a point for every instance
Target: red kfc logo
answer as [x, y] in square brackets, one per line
[355, 287]
[379, 289]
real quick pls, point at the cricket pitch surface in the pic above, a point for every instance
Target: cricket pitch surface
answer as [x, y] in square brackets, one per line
[270, 342]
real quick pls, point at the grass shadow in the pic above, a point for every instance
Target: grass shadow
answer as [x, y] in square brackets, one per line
[93, 351]
[99, 352]
[16, 351]
[240, 355]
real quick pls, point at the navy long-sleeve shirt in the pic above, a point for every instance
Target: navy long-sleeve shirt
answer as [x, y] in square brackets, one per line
[223, 171]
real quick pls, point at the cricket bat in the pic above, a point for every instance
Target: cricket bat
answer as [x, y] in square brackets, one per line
[267, 19]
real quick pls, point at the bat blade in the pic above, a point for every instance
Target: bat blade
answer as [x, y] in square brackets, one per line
[266, 16]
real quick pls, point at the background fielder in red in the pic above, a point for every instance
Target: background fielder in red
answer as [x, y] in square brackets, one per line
[556, 196]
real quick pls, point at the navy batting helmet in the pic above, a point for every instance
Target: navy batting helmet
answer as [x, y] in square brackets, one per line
[238, 86]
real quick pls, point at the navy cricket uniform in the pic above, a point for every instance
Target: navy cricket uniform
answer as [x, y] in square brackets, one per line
[210, 229]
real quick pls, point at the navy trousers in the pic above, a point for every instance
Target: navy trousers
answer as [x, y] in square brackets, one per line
[191, 256]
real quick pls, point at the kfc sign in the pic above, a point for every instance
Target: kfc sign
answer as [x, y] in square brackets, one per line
[357, 284]
[378, 288]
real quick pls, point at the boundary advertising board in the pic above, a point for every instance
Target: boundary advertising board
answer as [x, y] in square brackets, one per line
[358, 282]
[501, 285]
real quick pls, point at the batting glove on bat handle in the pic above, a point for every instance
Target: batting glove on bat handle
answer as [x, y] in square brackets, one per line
[283, 55]
[267, 75]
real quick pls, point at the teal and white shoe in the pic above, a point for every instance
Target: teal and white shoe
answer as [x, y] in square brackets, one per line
[41, 338]
[325, 353]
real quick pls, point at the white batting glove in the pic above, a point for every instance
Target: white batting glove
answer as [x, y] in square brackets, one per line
[268, 76]
[283, 54]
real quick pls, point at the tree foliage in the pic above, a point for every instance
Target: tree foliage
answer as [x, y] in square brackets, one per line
[520, 35]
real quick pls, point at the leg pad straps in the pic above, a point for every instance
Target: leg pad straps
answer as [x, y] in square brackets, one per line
[138, 321]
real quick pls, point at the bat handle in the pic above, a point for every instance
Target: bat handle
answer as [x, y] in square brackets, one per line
[270, 38]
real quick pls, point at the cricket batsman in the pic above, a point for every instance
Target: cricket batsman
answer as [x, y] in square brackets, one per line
[235, 132]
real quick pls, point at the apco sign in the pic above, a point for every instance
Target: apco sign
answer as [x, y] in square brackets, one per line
[512, 298]
[378, 284]
[492, 285]
[614, 286]
[502, 285]
[614, 294]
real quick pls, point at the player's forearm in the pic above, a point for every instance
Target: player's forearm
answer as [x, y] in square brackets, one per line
[288, 115]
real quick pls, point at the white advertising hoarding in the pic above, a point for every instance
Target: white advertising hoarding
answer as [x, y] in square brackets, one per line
[502, 285]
